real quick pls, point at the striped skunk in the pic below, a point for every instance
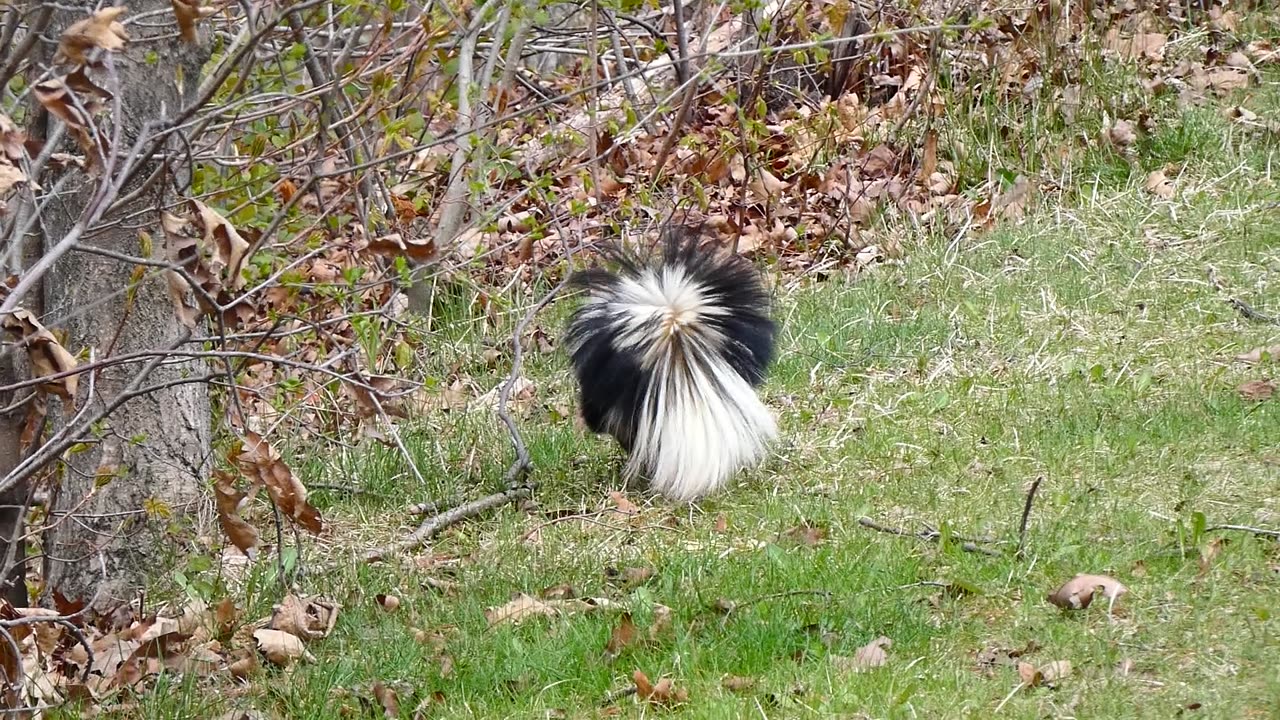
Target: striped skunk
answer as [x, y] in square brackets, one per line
[667, 356]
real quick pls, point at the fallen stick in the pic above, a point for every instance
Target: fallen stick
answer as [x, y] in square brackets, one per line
[436, 524]
[1245, 528]
[1026, 514]
[928, 535]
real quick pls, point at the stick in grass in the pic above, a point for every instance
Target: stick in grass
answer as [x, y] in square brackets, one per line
[1026, 515]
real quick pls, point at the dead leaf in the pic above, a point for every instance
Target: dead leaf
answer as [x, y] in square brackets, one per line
[262, 465]
[662, 622]
[100, 30]
[229, 501]
[187, 12]
[664, 693]
[310, 618]
[519, 609]
[10, 176]
[871, 655]
[1159, 185]
[1140, 46]
[46, 354]
[1046, 674]
[395, 245]
[387, 602]
[1012, 203]
[1208, 553]
[1077, 593]
[622, 637]
[386, 698]
[1121, 135]
[1254, 356]
[806, 534]
[1226, 79]
[1257, 390]
[280, 647]
[766, 186]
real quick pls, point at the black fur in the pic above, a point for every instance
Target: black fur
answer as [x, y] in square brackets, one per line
[612, 382]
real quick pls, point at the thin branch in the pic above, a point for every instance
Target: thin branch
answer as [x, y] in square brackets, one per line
[438, 523]
[1264, 532]
[1026, 514]
[927, 535]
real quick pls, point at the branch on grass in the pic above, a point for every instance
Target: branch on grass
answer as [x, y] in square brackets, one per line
[1262, 532]
[438, 523]
[1026, 515]
[927, 535]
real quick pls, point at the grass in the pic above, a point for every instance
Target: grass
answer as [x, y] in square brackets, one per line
[1086, 346]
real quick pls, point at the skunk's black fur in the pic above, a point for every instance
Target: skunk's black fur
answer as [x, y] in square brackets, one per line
[667, 355]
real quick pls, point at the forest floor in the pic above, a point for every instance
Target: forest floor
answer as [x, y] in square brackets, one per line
[1092, 347]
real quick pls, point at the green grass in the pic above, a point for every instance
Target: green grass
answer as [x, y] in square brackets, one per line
[1086, 346]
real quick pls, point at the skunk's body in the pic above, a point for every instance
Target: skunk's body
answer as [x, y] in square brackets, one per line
[667, 357]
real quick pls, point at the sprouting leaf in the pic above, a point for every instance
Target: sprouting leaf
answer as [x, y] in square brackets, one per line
[100, 30]
[1077, 592]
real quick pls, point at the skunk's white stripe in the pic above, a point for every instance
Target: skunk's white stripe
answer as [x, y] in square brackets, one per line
[702, 422]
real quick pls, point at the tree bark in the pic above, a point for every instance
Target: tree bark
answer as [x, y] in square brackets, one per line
[105, 541]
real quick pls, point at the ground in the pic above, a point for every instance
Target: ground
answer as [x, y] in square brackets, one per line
[1091, 345]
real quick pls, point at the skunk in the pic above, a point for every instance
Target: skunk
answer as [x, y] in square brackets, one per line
[667, 355]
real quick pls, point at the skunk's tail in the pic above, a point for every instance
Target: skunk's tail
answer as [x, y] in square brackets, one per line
[667, 356]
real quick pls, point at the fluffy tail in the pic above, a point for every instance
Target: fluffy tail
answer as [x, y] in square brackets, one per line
[667, 357]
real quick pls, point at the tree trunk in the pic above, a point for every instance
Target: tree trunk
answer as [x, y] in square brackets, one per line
[105, 541]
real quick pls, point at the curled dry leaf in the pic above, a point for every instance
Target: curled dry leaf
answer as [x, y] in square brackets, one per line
[390, 603]
[100, 30]
[663, 693]
[1121, 134]
[806, 534]
[281, 648]
[47, 355]
[229, 501]
[187, 12]
[1159, 185]
[10, 176]
[395, 245]
[1077, 592]
[387, 699]
[1257, 390]
[520, 608]
[262, 465]
[1046, 674]
[310, 619]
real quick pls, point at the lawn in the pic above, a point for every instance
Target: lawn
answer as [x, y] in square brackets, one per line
[1092, 346]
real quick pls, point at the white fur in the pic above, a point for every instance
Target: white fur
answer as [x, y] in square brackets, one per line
[702, 421]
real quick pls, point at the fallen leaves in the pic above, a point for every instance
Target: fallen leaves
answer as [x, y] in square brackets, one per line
[1159, 185]
[262, 465]
[1077, 593]
[872, 655]
[281, 648]
[1257, 390]
[101, 30]
[47, 356]
[664, 693]
[1257, 355]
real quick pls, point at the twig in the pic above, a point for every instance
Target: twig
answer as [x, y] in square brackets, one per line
[437, 523]
[1245, 528]
[1026, 514]
[614, 696]
[771, 596]
[1247, 310]
[929, 535]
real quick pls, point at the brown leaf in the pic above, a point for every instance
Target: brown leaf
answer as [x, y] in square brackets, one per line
[394, 245]
[390, 603]
[1046, 674]
[1225, 79]
[46, 354]
[622, 637]
[100, 30]
[661, 622]
[262, 465]
[1254, 356]
[9, 176]
[310, 619]
[1121, 134]
[1208, 553]
[871, 655]
[1257, 390]
[1159, 185]
[1077, 592]
[806, 534]
[229, 500]
[1141, 46]
[929, 160]
[187, 12]
[519, 609]
[623, 505]
[766, 186]
[1012, 203]
[387, 698]
[280, 647]
[663, 693]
